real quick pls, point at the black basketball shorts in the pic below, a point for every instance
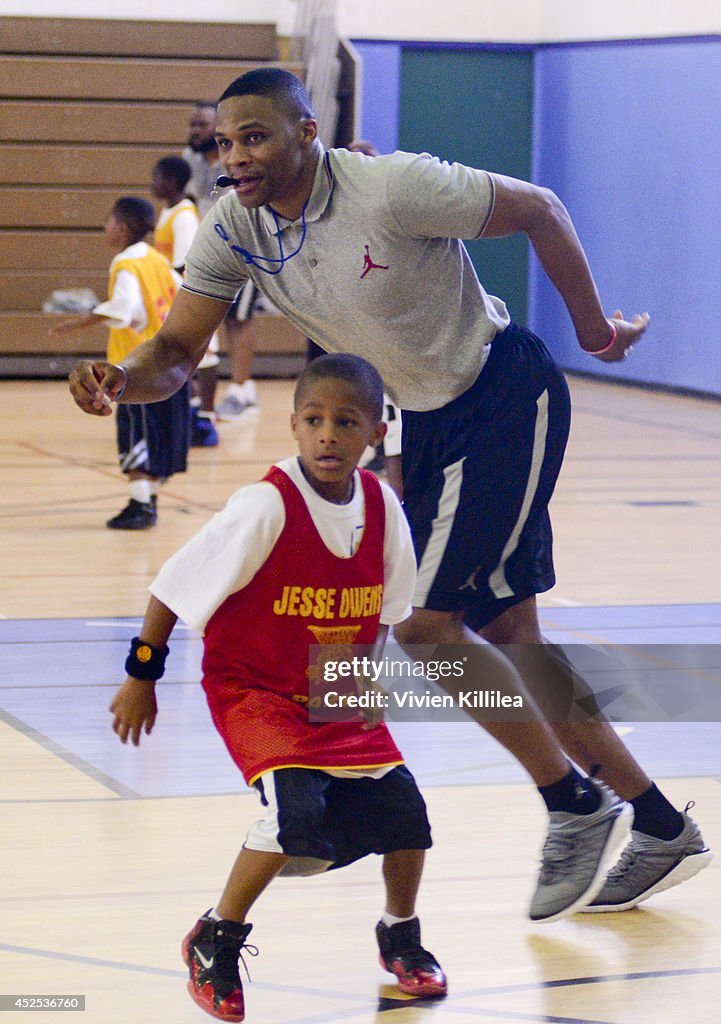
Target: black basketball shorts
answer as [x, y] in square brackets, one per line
[478, 475]
[324, 822]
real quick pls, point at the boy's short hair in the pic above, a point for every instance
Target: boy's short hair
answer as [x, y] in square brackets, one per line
[280, 85]
[174, 168]
[355, 370]
[137, 214]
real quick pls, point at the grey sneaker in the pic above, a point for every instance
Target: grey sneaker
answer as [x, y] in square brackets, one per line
[649, 865]
[231, 408]
[235, 404]
[572, 863]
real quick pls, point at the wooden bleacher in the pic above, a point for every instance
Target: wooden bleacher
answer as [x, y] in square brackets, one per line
[88, 107]
[91, 36]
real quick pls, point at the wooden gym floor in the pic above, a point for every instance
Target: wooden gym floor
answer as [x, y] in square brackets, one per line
[108, 854]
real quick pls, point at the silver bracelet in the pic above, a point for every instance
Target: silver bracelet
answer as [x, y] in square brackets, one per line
[119, 366]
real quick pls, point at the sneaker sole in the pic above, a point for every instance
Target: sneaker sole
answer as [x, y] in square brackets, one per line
[234, 1017]
[143, 526]
[428, 991]
[681, 872]
[619, 832]
[185, 951]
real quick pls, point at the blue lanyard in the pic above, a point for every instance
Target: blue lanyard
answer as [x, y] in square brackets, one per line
[253, 258]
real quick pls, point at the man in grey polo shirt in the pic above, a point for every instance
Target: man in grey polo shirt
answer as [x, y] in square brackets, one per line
[364, 256]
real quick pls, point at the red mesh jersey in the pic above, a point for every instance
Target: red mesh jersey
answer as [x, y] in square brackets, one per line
[255, 667]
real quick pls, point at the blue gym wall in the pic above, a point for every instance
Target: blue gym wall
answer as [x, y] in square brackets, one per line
[629, 135]
[471, 104]
[380, 94]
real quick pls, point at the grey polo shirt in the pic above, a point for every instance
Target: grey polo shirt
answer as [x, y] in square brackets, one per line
[375, 267]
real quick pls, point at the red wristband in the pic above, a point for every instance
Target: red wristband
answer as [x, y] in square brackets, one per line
[609, 345]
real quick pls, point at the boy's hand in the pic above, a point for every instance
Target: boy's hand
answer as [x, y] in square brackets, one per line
[68, 326]
[373, 715]
[135, 708]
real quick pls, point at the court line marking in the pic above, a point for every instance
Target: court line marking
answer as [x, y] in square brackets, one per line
[593, 979]
[167, 972]
[545, 614]
[105, 470]
[71, 759]
[207, 893]
[640, 458]
[681, 972]
[126, 624]
[639, 651]
[539, 1018]
[644, 421]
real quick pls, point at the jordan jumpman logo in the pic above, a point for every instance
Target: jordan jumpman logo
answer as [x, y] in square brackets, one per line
[368, 264]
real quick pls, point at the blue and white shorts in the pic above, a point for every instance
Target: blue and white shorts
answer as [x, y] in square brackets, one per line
[154, 438]
[478, 475]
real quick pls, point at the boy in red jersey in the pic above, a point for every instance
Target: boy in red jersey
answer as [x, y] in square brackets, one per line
[333, 791]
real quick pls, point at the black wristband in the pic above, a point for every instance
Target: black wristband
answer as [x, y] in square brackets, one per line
[145, 661]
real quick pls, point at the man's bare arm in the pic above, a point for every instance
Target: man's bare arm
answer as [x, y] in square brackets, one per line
[537, 212]
[157, 368]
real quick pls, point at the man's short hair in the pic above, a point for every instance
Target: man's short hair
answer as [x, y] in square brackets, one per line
[175, 168]
[137, 214]
[280, 85]
[354, 370]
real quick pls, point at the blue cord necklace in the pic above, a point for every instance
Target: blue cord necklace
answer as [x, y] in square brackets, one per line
[253, 258]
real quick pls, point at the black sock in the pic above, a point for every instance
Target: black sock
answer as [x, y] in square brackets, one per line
[655, 816]
[573, 794]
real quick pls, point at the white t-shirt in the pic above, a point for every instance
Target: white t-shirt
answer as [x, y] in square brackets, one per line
[185, 226]
[125, 307]
[231, 548]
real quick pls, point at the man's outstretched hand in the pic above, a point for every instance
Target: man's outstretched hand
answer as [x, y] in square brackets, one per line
[95, 385]
[628, 333]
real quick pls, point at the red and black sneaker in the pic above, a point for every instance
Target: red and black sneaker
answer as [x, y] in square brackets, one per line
[211, 950]
[417, 970]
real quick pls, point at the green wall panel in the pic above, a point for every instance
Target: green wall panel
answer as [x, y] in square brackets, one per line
[475, 107]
